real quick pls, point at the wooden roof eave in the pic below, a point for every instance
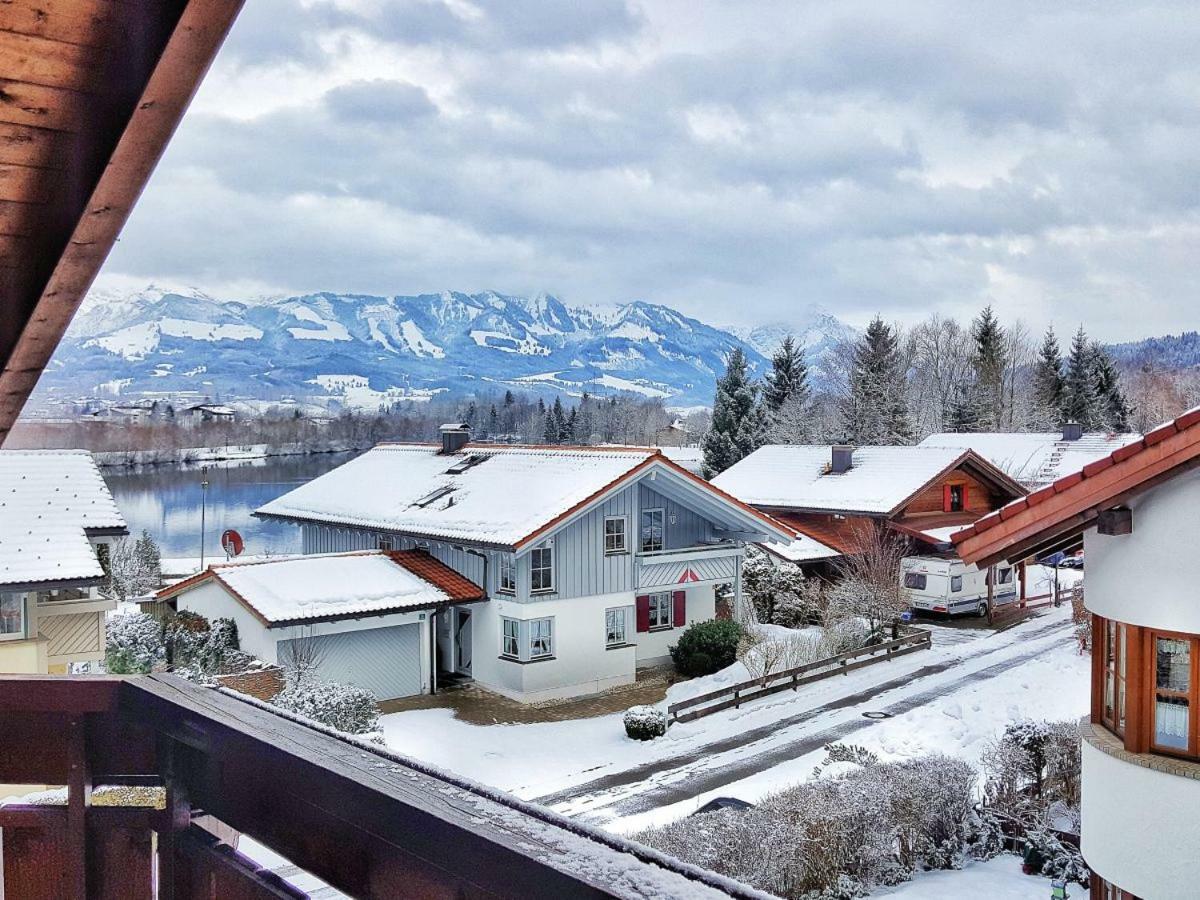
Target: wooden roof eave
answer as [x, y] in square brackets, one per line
[149, 61]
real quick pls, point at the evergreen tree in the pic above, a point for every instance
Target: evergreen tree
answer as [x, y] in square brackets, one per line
[1080, 400]
[493, 423]
[1048, 383]
[549, 429]
[1112, 408]
[786, 394]
[585, 423]
[559, 416]
[874, 411]
[737, 419]
[990, 361]
[569, 436]
[963, 410]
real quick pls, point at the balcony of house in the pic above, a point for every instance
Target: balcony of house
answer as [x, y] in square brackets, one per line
[72, 624]
[715, 562]
[213, 777]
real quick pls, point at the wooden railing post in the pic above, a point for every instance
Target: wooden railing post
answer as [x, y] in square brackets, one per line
[176, 818]
[79, 800]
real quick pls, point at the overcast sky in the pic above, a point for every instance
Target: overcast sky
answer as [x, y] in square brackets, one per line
[733, 159]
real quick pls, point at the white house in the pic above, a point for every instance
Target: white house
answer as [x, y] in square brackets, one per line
[592, 559]
[1036, 459]
[361, 617]
[57, 519]
[1135, 512]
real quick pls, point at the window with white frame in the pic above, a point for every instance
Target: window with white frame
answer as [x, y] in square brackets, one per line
[541, 638]
[12, 616]
[508, 574]
[653, 521]
[512, 640]
[541, 574]
[614, 627]
[660, 610]
[614, 534]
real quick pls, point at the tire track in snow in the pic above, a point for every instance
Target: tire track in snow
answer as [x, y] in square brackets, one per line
[678, 784]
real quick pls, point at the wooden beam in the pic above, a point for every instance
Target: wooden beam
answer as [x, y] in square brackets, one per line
[79, 801]
[155, 56]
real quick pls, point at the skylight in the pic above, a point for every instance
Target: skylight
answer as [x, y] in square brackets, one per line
[468, 463]
[434, 495]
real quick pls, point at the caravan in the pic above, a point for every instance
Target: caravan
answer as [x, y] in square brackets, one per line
[944, 585]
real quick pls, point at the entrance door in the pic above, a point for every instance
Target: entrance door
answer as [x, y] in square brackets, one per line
[462, 640]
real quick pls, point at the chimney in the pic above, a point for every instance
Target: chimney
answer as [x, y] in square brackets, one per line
[454, 437]
[842, 459]
[1072, 431]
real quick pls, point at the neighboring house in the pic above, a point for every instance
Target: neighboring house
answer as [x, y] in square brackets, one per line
[56, 518]
[831, 496]
[1135, 513]
[210, 412]
[359, 618]
[593, 559]
[1036, 459]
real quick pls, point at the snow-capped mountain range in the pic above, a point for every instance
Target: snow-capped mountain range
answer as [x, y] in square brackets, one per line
[358, 350]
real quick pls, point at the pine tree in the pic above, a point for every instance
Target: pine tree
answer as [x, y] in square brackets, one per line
[493, 425]
[786, 394]
[990, 361]
[1048, 383]
[559, 417]
[874, 411]
[568, 435]
[549, 429]
[738, 423]
[1080, 400]
[1112, 408]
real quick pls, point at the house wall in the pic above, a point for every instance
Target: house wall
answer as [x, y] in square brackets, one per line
[23, 657]
[929, 501]
[688, 528]
[1149, 577]
[1139, 826]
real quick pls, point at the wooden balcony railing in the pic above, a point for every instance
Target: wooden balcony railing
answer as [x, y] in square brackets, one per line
[366, 822]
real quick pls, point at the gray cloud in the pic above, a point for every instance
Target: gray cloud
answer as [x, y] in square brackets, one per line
[733, 159]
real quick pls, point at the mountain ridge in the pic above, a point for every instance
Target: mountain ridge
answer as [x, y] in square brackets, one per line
[361, 350]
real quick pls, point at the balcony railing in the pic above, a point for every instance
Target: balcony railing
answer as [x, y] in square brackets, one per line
[366, 822]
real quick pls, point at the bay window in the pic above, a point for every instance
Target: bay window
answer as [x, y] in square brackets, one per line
[614, 627]
[541, 638]
[508, 575]
[1173, 694]
[1114, 645]
[512, 638]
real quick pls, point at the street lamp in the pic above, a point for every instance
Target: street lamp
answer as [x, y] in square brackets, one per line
[203, 510]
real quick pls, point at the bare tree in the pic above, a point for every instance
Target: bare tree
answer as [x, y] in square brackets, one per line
[301, 655]
[869, 581]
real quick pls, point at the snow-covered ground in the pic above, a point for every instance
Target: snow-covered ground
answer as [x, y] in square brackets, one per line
[951, 699]
[996, 879]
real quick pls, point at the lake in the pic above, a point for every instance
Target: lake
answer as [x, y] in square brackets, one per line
[166, 501]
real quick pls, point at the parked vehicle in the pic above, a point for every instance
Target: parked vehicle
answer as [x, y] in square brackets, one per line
[941, 585]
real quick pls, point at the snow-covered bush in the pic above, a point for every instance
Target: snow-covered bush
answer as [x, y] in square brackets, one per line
[133, 644]
[1056, 859]
[706, 647]
[839, 836]
[645, 723]
[341, 706]
[1033, 771]
[779, 592]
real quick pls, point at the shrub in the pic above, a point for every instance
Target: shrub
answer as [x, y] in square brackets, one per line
[707, 647]
[645, 723]
[133, 644]
[340, 706]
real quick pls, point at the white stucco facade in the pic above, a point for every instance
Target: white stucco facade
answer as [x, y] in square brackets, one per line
[1139, 827]
[1151, 577]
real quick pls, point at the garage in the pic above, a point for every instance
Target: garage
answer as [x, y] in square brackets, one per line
[385, 661]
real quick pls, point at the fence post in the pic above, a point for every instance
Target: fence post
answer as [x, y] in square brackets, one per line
[737, 703]
[795, 682]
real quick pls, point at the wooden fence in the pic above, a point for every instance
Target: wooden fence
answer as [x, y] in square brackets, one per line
[734, 695]
[1012, 612]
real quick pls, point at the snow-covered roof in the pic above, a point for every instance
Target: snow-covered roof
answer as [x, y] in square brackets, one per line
[335, 585]
[485, 493]
[797, 476]
[49, 501]
[1034, 458]
[690, 458]
[801, 550]
[507, 493]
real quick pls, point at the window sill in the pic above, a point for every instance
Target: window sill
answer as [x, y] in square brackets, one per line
[616, 552]
[619, 646]
[660, 628]
[543, 593]
[527, 662]
[1098, 736]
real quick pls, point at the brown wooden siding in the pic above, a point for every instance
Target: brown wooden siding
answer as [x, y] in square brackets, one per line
[929, 502]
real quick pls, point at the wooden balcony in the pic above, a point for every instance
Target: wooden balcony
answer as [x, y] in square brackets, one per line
[365, 821]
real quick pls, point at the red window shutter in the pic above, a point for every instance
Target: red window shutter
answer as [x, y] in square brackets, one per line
[679, 616]
[945, 498]
[643, 613]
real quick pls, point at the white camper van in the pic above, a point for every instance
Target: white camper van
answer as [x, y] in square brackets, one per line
[937, 584]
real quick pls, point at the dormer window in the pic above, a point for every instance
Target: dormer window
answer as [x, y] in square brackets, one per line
[954, 498]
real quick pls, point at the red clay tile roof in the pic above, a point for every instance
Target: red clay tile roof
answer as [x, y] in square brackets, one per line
[1081, 494]
[458, 587]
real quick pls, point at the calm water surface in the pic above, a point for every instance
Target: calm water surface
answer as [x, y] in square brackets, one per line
[165, 500]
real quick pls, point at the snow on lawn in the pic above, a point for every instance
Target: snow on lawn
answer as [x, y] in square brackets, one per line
[1052, 686]
[996, 879]
[533, 760]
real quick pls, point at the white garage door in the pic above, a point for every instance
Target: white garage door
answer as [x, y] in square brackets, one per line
[385, 661]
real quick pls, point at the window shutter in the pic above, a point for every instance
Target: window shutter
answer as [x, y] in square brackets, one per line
[945, 498]
[643, 613]
[679, 617]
